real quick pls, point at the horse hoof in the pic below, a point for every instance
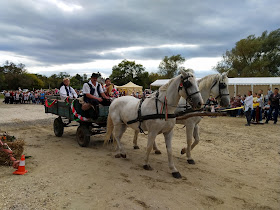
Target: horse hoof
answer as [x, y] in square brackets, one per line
[176, 175]
[158, 152]
[123, 155]
[136, 147]
[147, 167]
[191, 162]
[117, 155]
[183, 151]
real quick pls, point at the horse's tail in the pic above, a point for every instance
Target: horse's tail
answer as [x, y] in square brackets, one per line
[110, 128]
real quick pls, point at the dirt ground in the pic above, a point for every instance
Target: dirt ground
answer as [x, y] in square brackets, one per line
[237, 167]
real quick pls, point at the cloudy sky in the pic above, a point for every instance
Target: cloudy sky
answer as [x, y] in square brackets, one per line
[83, 36]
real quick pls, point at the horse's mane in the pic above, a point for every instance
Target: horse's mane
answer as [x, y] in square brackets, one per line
[165, 87]
[207, 81]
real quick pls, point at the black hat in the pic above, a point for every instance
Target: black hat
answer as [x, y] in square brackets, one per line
[96, 75]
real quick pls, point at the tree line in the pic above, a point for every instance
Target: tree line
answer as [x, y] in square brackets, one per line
[251, 57]
[13, 76]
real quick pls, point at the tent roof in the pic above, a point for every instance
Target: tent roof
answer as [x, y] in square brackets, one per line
[236, 81]
[130, 85]
[159, 82]
[254, 81]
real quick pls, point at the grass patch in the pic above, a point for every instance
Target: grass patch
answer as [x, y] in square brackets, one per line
[1, 96]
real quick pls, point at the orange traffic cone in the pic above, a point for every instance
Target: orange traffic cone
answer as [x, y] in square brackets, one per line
[21, 168]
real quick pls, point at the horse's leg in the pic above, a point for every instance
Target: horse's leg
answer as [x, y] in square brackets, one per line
[155, 148]
[168, 142]
[151, 140]
[135, 146]
[196, 136]
[118, 132]
[189, 134]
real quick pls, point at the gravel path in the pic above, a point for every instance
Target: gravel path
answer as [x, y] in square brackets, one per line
[23, 115]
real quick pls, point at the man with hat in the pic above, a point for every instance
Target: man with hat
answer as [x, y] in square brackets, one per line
[93, 92]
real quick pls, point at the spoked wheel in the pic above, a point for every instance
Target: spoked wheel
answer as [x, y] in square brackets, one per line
[83, 135]
[58, 127]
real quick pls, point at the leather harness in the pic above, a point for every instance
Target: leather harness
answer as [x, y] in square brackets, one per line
[184, 83]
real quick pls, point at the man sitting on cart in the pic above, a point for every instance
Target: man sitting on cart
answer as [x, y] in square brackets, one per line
[66, 90]
[94, 94]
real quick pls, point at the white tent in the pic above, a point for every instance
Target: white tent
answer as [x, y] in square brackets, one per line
[159, 82]
[130, 88]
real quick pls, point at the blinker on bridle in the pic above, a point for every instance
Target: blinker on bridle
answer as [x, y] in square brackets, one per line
[222, 85]
[186, 84]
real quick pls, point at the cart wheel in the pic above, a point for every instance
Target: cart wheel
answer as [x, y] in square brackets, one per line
[58, 127]
[83, 135]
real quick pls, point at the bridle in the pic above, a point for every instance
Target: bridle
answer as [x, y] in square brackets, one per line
[222, 85]
[186, 84]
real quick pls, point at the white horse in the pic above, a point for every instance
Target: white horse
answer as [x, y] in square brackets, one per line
[215, 85]
[125, 109]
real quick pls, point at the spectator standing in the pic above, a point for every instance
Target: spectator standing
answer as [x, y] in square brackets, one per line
[274, 105]
[17, 97]
[269, 92]
[248, 103]
[7, 97]
[11, 97]
[261, 105]
[266, 110]
[42, 97]
[253, 113]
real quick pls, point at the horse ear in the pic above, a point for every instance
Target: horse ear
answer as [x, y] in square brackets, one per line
[224, 74]
[183, 72]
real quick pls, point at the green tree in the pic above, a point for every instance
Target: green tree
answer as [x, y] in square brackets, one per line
[77, 81]
[127, 71]
[12, 74]
[169, 66]
[253, 56]
[30, 81]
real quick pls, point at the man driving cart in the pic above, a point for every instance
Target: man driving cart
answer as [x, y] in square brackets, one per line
[94, 94]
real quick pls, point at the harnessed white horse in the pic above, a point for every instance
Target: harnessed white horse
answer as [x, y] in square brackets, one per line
[215, 85]
[128, 111]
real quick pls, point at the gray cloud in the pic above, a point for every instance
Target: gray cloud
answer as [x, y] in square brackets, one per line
[49, 35]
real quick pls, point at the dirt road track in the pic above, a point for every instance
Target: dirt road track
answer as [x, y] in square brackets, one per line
[237, 167]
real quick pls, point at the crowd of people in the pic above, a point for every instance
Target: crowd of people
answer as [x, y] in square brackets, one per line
[25, 97]
[267, 106]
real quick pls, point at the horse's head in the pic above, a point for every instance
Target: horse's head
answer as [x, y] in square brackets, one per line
[219, 90]
[188, 89]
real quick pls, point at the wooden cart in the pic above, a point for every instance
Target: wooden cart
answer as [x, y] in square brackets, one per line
[93, 126]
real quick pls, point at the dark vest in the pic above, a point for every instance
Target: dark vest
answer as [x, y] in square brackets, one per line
[92, 91]
[67, 91]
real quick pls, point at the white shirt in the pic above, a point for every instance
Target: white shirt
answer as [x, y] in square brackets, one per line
[260, 101]
[63, 92]
[86, 89]
[248, 102]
